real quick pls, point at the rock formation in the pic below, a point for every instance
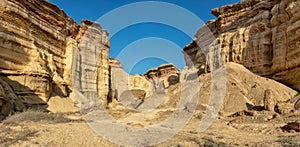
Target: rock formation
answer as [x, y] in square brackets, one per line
[91, 75]
[121, 83]
[47, 60]
[131, 90]
[45, 54]
[262, 35]
[269, 101]
[164, 75]
[140, 82]
[40, 45]
[246, 91]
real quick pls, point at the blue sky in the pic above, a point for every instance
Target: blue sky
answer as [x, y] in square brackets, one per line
[155, 33]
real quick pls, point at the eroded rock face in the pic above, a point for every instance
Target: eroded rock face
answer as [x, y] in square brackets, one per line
[163, 76]
[124, 86]
[8, 100]
[140, 82]
[118, 82]
[39, 45]
[92, 61]
[121, 83]
[194, 56]
[269, 101]
[262, 35]
[247, 91]
[115, 63]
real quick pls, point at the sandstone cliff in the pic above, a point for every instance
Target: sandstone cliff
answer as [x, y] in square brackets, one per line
[40, 45]
[132, 89]
[121, 82]
[45, 54]
[262, 35]
[163, 76]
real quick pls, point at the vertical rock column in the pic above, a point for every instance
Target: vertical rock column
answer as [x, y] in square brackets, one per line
[91, 61]
[103, 70]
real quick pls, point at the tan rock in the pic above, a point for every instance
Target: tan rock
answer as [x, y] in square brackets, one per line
[259, 34]
[166, 73]
[285, 108]
[269, 101]
[40, 47]
[9, 102]
[140, 82]
[120, 81]
[92, 66]
[115, 63]
[245, 90]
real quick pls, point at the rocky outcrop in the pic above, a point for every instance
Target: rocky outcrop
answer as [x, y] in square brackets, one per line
[140, 82]
[262, 35]
[285, 38]
[122, 84]
[297, 105]
[8, 100]
[163, 76]
[194, 56]
[118, 79]
[115, 63]
[91, 75]
[269, 101]
[39, 47]
[162, 71]
[125, 87]
[246, 91]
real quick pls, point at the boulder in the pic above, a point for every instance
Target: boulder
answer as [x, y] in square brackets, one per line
[269, 101]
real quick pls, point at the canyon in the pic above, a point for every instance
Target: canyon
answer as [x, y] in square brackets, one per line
[50, 63]
[46, 53]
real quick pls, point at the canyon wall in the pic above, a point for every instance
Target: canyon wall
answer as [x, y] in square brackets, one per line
[39, 47]
[153, 81]
[262, 35]
[91, 66]
[121, 82]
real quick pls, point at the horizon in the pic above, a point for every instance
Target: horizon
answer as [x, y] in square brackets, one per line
[145, 45]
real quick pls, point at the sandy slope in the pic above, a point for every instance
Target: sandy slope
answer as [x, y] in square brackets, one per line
[233, 131]
[245, 128]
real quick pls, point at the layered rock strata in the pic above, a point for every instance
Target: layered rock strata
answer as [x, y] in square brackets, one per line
[40, 45]
[262, 35]
[163, 76]
[121, 82]
[91, 61]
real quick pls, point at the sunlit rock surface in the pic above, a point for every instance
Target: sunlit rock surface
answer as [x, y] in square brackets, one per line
[262, 35]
